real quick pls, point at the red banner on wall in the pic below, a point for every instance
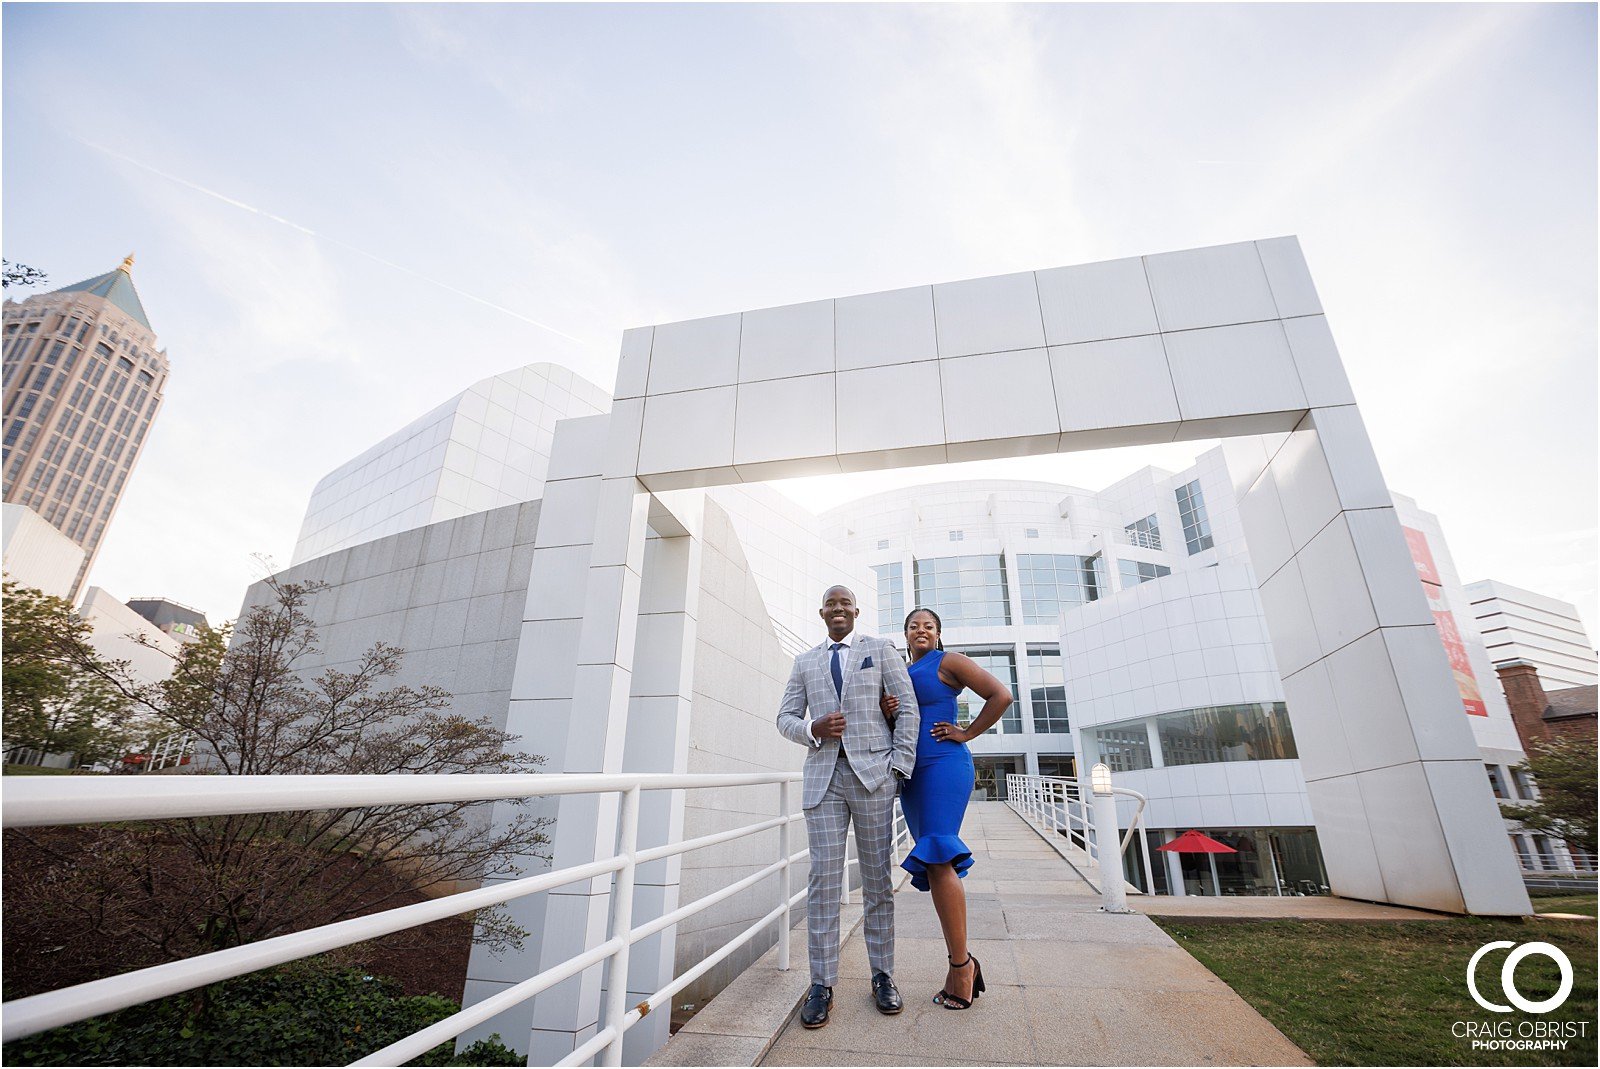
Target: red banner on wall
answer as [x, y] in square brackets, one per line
[1455, 649]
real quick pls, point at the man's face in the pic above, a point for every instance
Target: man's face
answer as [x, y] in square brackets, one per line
[839, 611]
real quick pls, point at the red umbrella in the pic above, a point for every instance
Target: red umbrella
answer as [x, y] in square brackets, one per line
[1193, 842]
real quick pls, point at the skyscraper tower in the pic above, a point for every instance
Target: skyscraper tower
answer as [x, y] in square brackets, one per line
[83, 383]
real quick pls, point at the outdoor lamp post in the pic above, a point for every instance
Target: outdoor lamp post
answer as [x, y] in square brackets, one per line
[1113, 896]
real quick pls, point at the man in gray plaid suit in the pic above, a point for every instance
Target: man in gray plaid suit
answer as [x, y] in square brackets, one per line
[852, 772]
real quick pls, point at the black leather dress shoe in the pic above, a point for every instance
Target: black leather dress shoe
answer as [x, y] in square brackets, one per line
[819, 1000]
[885, 995]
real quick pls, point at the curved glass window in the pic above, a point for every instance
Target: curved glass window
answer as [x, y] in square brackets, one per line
[1255, 732]
[964, 591]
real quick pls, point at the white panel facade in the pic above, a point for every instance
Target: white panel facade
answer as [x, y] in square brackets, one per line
[485, 448]
[36, 554]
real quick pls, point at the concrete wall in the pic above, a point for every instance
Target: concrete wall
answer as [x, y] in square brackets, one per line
[739, 677]
[36, 554]
[450, 594]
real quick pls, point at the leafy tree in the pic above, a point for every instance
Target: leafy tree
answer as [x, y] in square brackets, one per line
[1564, 769]
[22, 275]
[130, 895]
[60, 695]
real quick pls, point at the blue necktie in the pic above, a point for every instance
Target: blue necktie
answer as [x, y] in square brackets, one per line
[838, 677]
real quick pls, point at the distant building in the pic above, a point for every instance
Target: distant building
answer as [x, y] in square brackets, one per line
[83, 382]
[1543, 716]
[1520, 625]
[173, 618]
[121, 634]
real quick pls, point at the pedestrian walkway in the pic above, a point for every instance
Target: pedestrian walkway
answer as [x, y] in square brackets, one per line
[1067, 985]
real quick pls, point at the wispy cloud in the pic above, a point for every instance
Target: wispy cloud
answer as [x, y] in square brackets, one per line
[224, 198]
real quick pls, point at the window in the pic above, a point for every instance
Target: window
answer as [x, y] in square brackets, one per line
[1196, 524]
[883, 543]
[1001, 662]
[1047, 681]
[1125, 749]
[102, 349]
[964, 591]
[13, 432]
[124, 364]
[1030, 532]
[891, 599]
[1519, 779]
[1053, 582]
[1145, 533]
[1257, 732]
[27, 405]
[957, 536]
[1134, 572]
[1496, 784]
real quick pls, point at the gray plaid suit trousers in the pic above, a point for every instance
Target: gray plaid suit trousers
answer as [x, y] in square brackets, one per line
[846, 799]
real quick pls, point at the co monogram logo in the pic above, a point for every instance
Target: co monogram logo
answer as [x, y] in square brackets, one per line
[1508, 978]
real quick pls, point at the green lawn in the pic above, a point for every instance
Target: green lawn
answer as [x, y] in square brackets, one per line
[1584, 904]
[1388, 993]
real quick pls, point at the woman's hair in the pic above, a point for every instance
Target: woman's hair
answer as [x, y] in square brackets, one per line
[937, 623]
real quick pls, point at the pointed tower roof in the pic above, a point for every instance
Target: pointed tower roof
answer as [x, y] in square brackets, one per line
[116, 287]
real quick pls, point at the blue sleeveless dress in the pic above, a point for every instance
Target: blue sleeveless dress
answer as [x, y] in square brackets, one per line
[934, 799]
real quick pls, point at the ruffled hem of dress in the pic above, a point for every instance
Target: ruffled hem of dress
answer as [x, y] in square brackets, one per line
[936, 850]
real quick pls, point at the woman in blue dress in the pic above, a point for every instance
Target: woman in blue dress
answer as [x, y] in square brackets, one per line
[934, 799]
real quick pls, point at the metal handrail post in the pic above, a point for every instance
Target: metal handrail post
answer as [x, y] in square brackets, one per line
[622, 925]
[783, 877]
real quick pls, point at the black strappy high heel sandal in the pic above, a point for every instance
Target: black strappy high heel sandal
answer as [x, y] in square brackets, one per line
[956, 1002]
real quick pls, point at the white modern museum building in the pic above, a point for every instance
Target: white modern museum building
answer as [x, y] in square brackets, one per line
[1263, 643]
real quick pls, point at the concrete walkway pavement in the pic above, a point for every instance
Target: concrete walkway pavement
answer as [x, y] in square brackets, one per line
[1067, 985]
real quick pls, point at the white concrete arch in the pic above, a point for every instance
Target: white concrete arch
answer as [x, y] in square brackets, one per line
[1224, 342]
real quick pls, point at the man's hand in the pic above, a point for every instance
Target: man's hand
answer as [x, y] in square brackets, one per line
[829, 727]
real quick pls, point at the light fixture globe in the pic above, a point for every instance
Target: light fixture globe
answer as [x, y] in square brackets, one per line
[1100, 778]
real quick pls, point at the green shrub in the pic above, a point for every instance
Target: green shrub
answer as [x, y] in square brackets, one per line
[307, 1013]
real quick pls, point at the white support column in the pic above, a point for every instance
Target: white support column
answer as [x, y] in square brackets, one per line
[1393, 773]
[658, 741]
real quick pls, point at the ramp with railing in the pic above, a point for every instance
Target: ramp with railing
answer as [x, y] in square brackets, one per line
[32, 803]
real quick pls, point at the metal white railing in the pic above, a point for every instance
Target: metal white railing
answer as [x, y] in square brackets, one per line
[35, 802]
[1060, 805]
[1557, 863]
[169, 751]
[1144, 539]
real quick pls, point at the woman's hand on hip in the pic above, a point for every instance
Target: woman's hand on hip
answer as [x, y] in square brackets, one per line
[944, 731]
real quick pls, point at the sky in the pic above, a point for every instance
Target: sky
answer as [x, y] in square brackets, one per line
[344, 214]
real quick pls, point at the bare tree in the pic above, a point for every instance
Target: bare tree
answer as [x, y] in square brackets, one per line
[142, 893]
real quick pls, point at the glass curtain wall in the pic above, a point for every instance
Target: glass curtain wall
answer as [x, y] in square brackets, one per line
[964, 591]
[1196, 523]
[1053, 582]
[1047, 677]
[891, 602]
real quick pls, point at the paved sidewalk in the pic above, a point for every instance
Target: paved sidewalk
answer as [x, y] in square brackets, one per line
[1288, 907]
[1067, 985]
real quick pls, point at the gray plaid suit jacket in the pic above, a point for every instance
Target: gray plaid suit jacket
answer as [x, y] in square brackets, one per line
[874, 751]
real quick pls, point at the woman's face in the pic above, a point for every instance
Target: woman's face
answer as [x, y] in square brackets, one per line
[922, 632]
